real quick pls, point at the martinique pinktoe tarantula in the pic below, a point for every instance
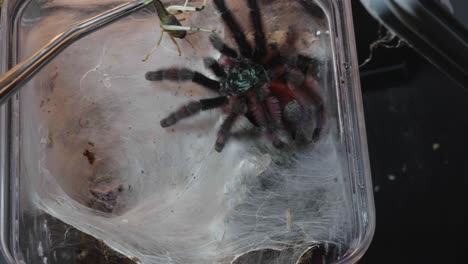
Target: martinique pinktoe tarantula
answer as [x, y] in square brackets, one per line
[271, 89]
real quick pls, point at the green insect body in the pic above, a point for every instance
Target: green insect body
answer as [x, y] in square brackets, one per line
[168, 19]
[171, 25]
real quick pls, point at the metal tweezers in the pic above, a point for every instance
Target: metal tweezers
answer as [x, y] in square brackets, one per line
[17, 76]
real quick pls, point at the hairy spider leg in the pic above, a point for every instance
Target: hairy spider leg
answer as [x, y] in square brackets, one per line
[214, 66]
[183, 75]
[311, 89]
[193, 108]
[263, 118]
[219, 45]
[304, 62]
[176, 9]
[244, 47]
[274, 110]
[238, 107]
[275, 63]
[273, 115]
[260, 42]
[224, 131]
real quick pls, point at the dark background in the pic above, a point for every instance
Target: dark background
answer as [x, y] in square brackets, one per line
[417, 127]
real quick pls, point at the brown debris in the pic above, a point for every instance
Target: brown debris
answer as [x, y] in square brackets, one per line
[91, 156]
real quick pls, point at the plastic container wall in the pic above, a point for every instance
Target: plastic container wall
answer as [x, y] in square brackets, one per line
[83, 152]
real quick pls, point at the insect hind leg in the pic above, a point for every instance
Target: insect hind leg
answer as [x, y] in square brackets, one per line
[184, 28]
[154, 48]
[177, 9]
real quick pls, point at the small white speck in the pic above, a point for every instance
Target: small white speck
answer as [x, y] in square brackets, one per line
[404, 169]
[318, 33]
[44, 260]
[107, 83]
[40, 250]
[376, 188]
[288, 219]
[391, 177]
[45, 140]
[125, 221]
[435, 146]
[44, 226]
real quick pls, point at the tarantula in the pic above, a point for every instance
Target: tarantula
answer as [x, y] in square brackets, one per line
[270, 89]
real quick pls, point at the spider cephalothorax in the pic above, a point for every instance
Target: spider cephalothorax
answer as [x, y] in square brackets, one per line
[271, 89]
[243, 77]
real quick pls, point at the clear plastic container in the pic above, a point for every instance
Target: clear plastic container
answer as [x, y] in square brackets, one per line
[88, 175]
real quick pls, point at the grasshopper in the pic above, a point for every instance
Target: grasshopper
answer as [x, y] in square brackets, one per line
[171, 25]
